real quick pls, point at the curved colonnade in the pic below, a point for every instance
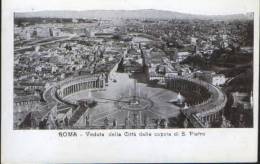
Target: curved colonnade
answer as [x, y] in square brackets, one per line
[76, 84]
[57, 94]
[206, 101]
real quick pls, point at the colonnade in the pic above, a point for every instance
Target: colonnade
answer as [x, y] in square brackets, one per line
[81, 86]
[193, 93]
[79, 83]
[26, 102]
[207, 101]
[211, 117]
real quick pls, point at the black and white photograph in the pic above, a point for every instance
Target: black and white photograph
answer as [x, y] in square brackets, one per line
[177, 73]
[121, 69]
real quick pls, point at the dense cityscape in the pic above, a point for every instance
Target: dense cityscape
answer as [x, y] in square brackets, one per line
[132, 73]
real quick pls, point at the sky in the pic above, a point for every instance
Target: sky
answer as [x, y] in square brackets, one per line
[208, 7]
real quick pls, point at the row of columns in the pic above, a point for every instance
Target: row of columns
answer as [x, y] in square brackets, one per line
[202, 90]
[212, 117]
[81, 86]
[21, 103]
[185, 85]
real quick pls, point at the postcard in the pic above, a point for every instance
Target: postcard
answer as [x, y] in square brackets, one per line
[130, 81]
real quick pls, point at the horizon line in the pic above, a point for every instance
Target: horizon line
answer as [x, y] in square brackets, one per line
[81, 10]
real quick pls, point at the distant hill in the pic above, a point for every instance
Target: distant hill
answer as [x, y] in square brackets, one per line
[131, 14]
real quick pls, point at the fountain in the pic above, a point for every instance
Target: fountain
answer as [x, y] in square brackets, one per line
[135, 102]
